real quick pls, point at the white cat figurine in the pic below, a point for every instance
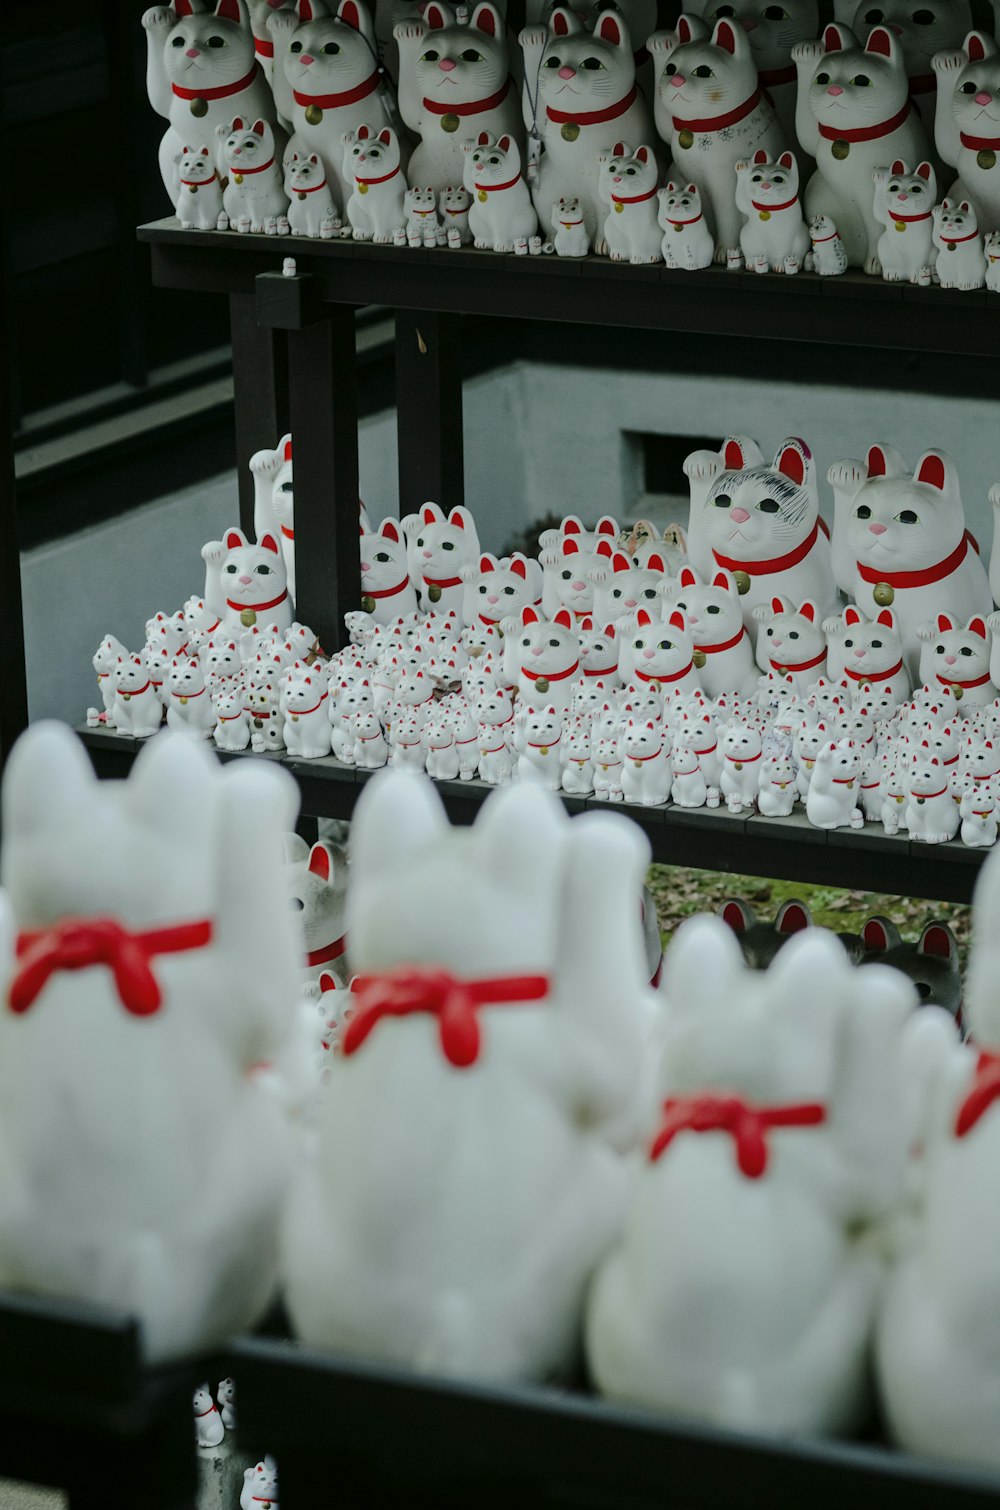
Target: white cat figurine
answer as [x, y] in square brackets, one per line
[923, 31]
[542, 659]
[774, 236]
[232, 727]
[967, 123]
[501, 212]
[453, 206]
[828, 251]
[420, 217]
[312, 210]
[687, 241]
[372, 168]
[932, 816]
[246, 584]
[904, 202]
[307, 720]
[715, 622]
[978, 812]
[538, 745]
[386, 590]
[791, 641]
[772, 31]
[260, 1487]
[137, 710]
[571, 239]
[991, 251]
[317, 883]
[255, 195]
[741, 751]
[647, 775]
[208, 1424]
[226, 1397]
[188, 704]
[835, 788]
[438, 547]
[960, 261]
[199, 190]
[868, 652]
[629, 183]
[956, 658]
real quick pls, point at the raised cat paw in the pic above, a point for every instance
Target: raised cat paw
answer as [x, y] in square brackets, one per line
[265, 463]
[994, 495]
[833, 625]
[282, 21]
[949, 62]
[533, 36]
[662, 42]
[409, 31]
[847, 476]
[159, 17]
[550, 557]
[702, 465]
[807, 54]
[213, 551]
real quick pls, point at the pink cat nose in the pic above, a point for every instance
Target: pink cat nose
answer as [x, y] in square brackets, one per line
[877, 529]
[617, 178]
[492, 598]
[245, 580]
[859, 654]
[366, 566]
[630, 603]
[578, 586]
[446, 65]
[982, 98]
[677, 81]
[748, 25]
[835, 89]
[648, 654]
[193, 52]
[949, 660]
[566, 72]
[307, 57]
[427, 555]
[537, 650]
[739, 516]
[904, 195]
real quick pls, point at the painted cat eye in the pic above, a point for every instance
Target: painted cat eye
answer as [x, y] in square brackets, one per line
[923, 18]
[262, 570]
[723, 11]
[822, 78]
[793, 634]
[863, 512]
[553, 62]
[873, 17]
[849, 643]
[384, 556]
[554, 644]
[639, 644]
[295, 47]
[714, 608]
[703, 72]
[566, 575]
[681, 605]
[430, 56]
[969, 87]
[592, 63]
[331, 47]
[939, 650]
[876, 644]
[723, 501]
[907, 517]
[649, 592]
[420, 541]
[286, 487]
[861, 80]
[216, 41]
[470, 55]
[231, 569]
[775, 13]
[508, 590]
[965, 650]
[768, 506]
[178, 42]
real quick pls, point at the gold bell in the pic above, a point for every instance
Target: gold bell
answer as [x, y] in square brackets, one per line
[685, 138]
[957, 693]
[258, 723]
[368, 603]
[700, 658]
[248, 618]
[841, 149]
[742, 580]
[301, 193]
[619, 208]
[199, 108]
[183, 702]
[545, 749]
[542, 683]
[987, 158]
[362, 188]
[900, 225]
[434, 593]
[883, 594]
[294, 718]
[313, 115]
[126, 697]
[450, 122]
[738, 764]
[921, 801]
[237, 178]
[481, 196]
[569, 131]
[637, 764]
[765, 215]
[192, 188]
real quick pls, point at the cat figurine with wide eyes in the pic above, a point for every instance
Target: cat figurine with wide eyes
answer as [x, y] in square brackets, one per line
[260, 1486]
[835, 789]
[538, 743]
[629, 184]
[659, 655]
[437, 548]
[687, 241]
[420, 217]
[501, 213]
[960, 261]
[900, 541]
[853, 116]
[621, 588]
[868, 653]
[542, 659]
[571, 239]
[712, 114]
[741, 750]
[496, 589]
[201, 69]
[246, 584]
[304, 703]
[454, 82]
[978, 812]
[232, 728]
[772, 31]
[312, 210]
[904, 202]
[923, 30]
[774, 237]
[967, 122]
[378, 188]
[828, 251]
[255, 195]
[723, 649]
[189, 704]
[327, 81]
[791, 642]
[453, 207]
[932, 815]
[580, 95]
[137, 708]
[386, 589]
[647, 775]
[956, 658]
[199, 190]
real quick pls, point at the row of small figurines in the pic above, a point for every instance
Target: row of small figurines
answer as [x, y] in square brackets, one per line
[214, 1416]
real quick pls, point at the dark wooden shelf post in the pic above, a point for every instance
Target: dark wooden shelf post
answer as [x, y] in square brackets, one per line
[429, 409]
[260, 379]
[14, 695]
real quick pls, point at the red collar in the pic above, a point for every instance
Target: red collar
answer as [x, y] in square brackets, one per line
[780, 563]
[601, 671]
[908, 219]
[726, 645]
[866, 133]
[334, 101]
[783, 667]
[257, 712]
[199, 1413]
[127, 692]
[922, 578]
[979, 143]
[678, 223]
[200, 694]
[873, 676]
[442, 581]
[548, 744]
[642, 758]
[263, 47]
[299, 190]
[549, 676]
[386, 592]
[768, 77]
[747, 1125]
[635, 198]
[335, 950]
[923, 796]
[257, 607]
[711, 750]
[222, 92]
[472, 107]
[495, 188]
[230, 718]
[383, 180]
[821, 240]
[301, 712]
[593, 117]
[772, 209]
[985, 1089]
[77, 943]
[843, 780]
[720, 122]
[248, 172]
[952, 681]
[199, 183]
[424, 988]
[954, 241]
[675, 676]
[743, 759]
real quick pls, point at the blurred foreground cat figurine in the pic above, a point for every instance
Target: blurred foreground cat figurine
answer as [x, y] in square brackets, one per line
[149, 967]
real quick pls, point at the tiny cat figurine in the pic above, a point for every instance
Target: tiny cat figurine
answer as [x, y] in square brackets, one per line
[711, 113]
[835, 787]
[312, 210]
[189, 706]
[441, 751]
[138, 710]
[659, 655]
[978, 812]
[454, 82]
[246, 584]
[201, 67]
[892, 526]
[854, 115]
[260, 1487]
[453, 206]
[226, 1397]
[868, 653]
[371, 166]
[967, 123]
[104, 661]
[687, 787]
[571, 239]
[629, 184]
[307, 720]
[723, 649]
[932, 815]
[828, 251]
[773, 31]
[904, 202]
[420, 216]
[957, 659]
[386, 589]
[501, 212]
[646, 769]
[776, 788]
[579, 95]
[542, 659]
[370, 751]
[317, 888]
[327, 80]
[991, 251]
[791, 641]
[961, 261]
[232, 728]
[774, 237]
[687, 241]
[538, 744]
[199, 191]
[255, 195]
[437, 549]
[208, 1424]
[741, 751]
[578, 765]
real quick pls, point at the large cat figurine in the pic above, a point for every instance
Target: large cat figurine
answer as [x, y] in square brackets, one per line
[762, 524]
[481, 1072]
[712, 114]
[923, 30]
[772, 31]
[200, 72]
[327, 81]
[246, 584]
[967, 123]
[900, 536]
[454, 81]
[148, 1162]
[854, 115]
[580, 96]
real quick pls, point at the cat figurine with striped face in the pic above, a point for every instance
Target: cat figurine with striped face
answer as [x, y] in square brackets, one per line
[687, 241]
[774, 237]
[454, 82]
[711, 113]
[580, 95]
[904, 202]
[255, 195]
[201, 71]
[199, 190]
[772, 31]
[967, 123]
[853, 116]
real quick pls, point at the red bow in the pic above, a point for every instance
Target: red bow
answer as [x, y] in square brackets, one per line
[746, 1125]
[426, 988]
[984, 1091]
[77, 943]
